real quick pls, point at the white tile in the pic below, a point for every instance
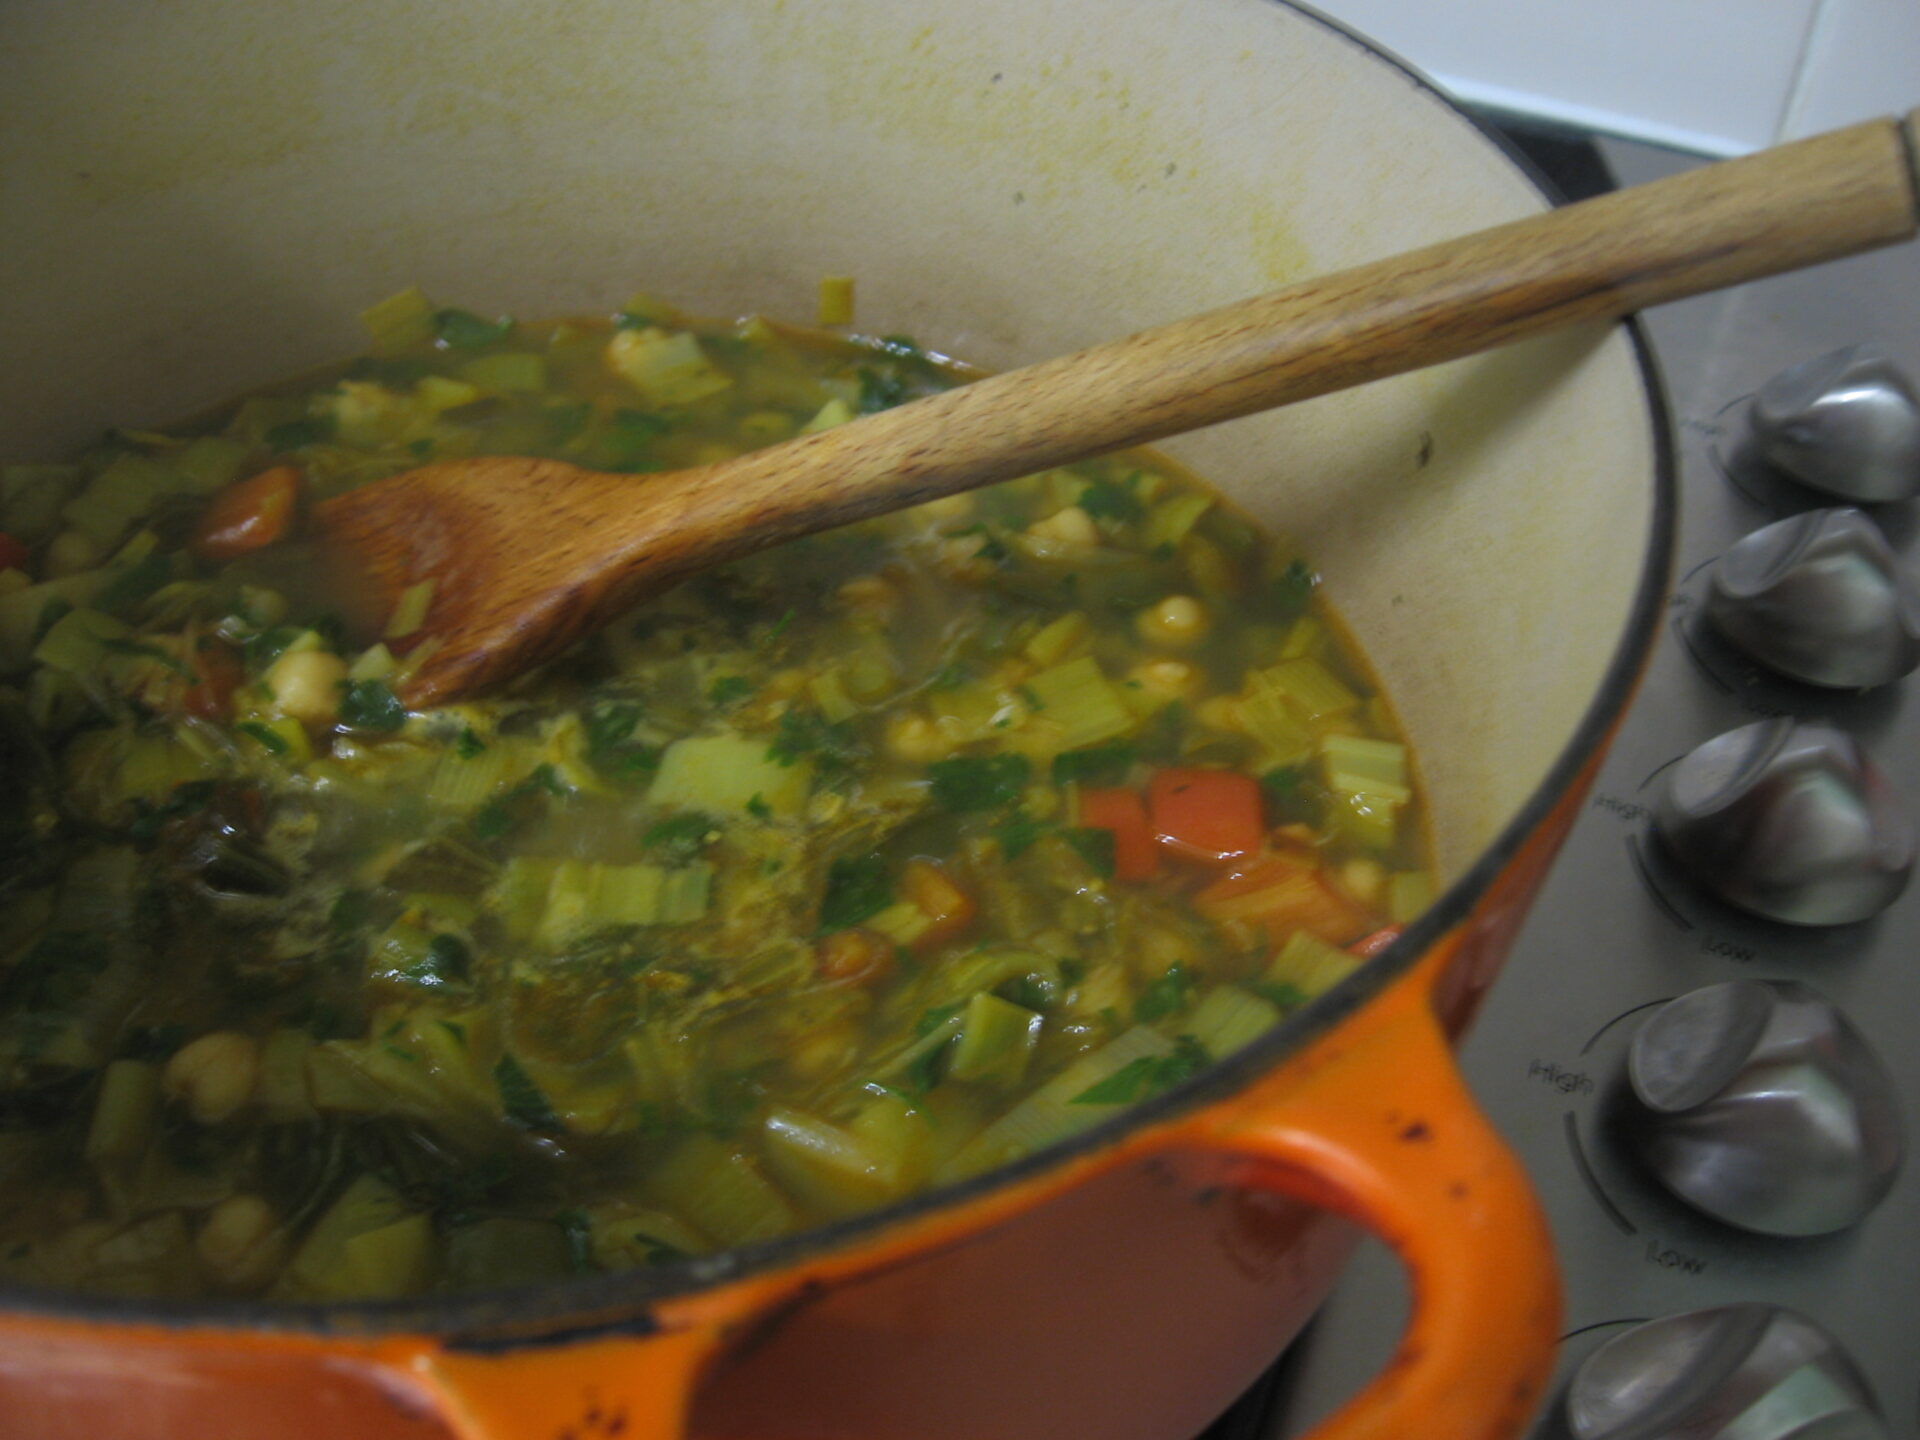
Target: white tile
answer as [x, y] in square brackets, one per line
[1714, 76]
[1864, 61]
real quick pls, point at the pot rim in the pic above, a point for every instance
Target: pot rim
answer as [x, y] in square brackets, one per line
[617, 1303]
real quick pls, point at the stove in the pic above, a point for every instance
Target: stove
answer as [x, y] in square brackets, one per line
[1705, 1298]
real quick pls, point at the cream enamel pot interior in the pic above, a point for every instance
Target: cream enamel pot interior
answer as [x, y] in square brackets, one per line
[200, 196]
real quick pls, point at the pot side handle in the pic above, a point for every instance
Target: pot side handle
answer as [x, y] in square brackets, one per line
[1376, 1124]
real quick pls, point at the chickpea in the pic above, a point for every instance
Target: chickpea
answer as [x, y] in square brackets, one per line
[1365, 880]
[914, 739]
[1176, 622]
[214, 1075]
[306, 684]
[241, 1243]
[1071, 527]
[68, 553]
[830, 1048]
[1168, 679]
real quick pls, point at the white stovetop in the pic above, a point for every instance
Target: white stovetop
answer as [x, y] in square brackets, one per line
[1719, 77]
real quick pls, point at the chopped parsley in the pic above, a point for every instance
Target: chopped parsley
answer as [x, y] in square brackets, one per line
[979, 782]
[370, 705]
[1111, 500]
[729, 689]
[1148, 1075]
[858, 888]
[520, 1099]
[469, 746]
[464, 330]
[680, 838]
[1160, 998]
[1100, 765]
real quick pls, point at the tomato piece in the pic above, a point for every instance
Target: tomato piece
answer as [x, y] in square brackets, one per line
[1210, 815]
[14, 552]
[217, 673]
[248, 515]
[930, 890]
[1368, 946]
[1281, 894]
[1122, 811]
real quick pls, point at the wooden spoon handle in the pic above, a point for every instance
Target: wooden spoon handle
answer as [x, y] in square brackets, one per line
[1720, 225]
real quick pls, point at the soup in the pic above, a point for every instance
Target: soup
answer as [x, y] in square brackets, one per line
[854, 868]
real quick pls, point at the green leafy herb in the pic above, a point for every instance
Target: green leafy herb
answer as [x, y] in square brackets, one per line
[564, 422]
[271, 740]
[779, 627]
[612, 751]
[520, 1098]
[758, 808]
[503, 815]
[1100, 765]
[1287, 594]
[1288, 792]
[135, 583]
[729, 689]
[469, 746]
[1095, 847]
[370, 705]
[680, 838]
[1283, 993]
[881, 389]
[858, 888]
[832, 746]
[263, 649]
[185, 798]
[1148, 1075]
[118, 645]
[299, 434]
[979, 782]
[463, 330]
[625, 443]
[1017, 833]
[1111, 500]
[1160, 998]
[447, 962]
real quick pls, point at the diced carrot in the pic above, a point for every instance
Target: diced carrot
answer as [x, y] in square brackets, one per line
[217, 673]
[930, 890]
[1371, 945]
[248, 515]
[857, 956]
[14, 552]
[1211, 815]
[1282, 894]
[1122, 811]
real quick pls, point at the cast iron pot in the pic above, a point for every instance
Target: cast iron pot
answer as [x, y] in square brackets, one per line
[200, 195]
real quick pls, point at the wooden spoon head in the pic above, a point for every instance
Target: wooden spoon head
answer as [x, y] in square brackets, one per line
[525, 556]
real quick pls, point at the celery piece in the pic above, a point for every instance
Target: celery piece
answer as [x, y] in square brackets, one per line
[621, 1236]
[462, 782]
[281, 1091]
[1085, 707]
[1309, 964]
[434, 393]
[1409, 892]
[120, 494]
[829, 1168]
[512, 371]
[31, 497]
[1049, 1113]
[123, 1112]
[685, 893]
[25, 615]
[835, 412]
[902, 922]
[376, 662]
[502, 1250]
[835, 304]
[997, 1040]
[410, 611]
[1356, 762]
[400, 321]
[1055, 640]
[367, 1204]
[1228, 1017]
[78, 641]
[1311, 689]
[282, 737]
[519, 896]
[724, 774]
[398, 1258]
[829, 691]
[668, 369]
[736, 1203]
[209, 463]
[1169, 521]
[1306, 636]
[1369, 818]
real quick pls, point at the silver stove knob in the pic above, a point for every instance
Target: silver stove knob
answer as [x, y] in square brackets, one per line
[1788, 820]
[1846, 423]
[1736, 1372]
[1820, 597]
[1761, 1105]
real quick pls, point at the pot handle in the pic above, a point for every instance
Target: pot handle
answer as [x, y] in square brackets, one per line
[1375, 1123]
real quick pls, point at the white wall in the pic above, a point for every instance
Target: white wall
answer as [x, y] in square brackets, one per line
[1716, 76]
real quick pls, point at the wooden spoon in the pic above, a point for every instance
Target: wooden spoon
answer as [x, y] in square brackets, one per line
[529, 555]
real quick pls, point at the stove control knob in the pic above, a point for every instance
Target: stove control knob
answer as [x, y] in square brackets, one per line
[1760, 1104]
[1846, 423]
[1819, 597]
[1790, 821]
[1736, 1372]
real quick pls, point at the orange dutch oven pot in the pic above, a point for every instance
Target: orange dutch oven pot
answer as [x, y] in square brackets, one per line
[200, 195]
